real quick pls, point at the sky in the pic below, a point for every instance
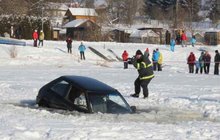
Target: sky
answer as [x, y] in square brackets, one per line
[180, 106]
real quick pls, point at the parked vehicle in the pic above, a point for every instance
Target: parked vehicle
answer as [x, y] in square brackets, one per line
[82, 94]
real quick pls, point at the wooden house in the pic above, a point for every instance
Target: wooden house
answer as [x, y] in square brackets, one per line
[119, 35]
[145, 36]
[81, 24]
[80, 13]
[82, 29]
[212, 38]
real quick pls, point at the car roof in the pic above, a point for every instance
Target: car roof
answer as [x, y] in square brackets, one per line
[88, 83]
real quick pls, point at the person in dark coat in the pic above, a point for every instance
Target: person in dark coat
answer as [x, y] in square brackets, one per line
[69, 44]
[217, 61]
[191, 61]
[167, 35]
[207, 61]
[145, 74]
[125, 59]
[178, 38]
[201, 62]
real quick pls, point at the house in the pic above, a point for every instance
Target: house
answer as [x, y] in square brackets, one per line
[81, 24]
[145, 36]
[82, 29]
[80, 13]
[119, 35]
[199, 37]
[212, 37]
[56, 11]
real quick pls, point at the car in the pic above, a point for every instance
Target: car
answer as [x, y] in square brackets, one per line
[83, 94]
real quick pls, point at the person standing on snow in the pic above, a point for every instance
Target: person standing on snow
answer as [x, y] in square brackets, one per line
[41, 38]
[146, 53]
[125, 59]
[35, 37]
[217, 61]
[201, 62]
[82, 49]
[167, 37]
[197, 66]
[160, 60]
[191, 61]
[155, 58]
[172, 44]
[69, 44]
[193, 41]
[178, 37]
[145, 74]
[183, 38]
[207, 61]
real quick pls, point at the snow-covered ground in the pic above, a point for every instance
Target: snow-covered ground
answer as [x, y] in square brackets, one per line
[181, 106]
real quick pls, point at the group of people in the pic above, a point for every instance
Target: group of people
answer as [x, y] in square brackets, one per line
[145, 68]
[81, 48]
[203, 62]
[40, 37]
[157, 59]
[37, 37]
[181, 38]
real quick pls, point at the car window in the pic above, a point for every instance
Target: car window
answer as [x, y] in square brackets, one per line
[108, 103]
[81, 101]
[116, 104]
[98, 103]
[115, 98]
[77, 97]
[61, 88]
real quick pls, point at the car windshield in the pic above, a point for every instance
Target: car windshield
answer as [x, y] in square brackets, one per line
[108, 103]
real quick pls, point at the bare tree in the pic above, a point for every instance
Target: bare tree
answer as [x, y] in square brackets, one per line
[214, 13]
[122, 11]
[13, 7]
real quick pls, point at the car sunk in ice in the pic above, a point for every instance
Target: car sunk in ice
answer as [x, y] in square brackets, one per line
[82, 94]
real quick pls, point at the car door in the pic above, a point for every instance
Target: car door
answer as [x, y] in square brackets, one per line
[78, 98]
[59, 91]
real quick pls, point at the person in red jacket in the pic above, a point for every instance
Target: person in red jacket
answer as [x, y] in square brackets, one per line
[125, 59]
[183, 39]
[191, 61]
[35, 37]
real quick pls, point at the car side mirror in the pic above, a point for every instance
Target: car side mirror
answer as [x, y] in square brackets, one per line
[133, 108]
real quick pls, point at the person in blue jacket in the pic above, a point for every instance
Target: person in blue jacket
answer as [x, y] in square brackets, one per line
[155, 58]
[172, 44]
[82, 49]
[193, 40]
